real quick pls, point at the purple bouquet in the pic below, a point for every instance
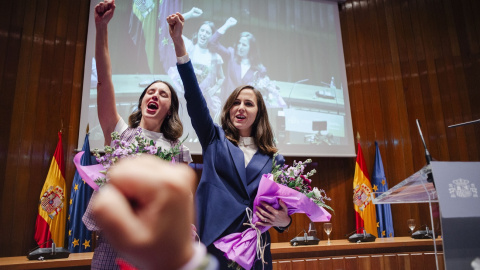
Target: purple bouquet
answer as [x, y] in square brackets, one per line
[288, 184]
[95, 175]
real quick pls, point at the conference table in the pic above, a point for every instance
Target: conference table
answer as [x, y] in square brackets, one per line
[392, 253]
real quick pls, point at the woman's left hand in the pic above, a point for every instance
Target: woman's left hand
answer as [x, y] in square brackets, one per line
[269, 216]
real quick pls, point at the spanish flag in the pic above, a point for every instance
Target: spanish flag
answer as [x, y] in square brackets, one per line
[51, 217]
[362, 199]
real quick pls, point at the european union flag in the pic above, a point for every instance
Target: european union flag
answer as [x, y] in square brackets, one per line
[384, 212]
[79, 238]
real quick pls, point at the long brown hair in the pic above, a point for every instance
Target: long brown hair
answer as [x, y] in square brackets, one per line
[253, 52]
[172, 127]
[261, 130]
[212, 28]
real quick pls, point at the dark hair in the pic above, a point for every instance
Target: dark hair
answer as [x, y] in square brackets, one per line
[261, 130]
[253, 53]
[172, 127]
[195, 35]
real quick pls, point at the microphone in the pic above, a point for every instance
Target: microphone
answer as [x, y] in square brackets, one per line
[293, 86]
[427, 154]
[423, 234]
[305, 240]
[53, 247]
[465, 123]
[361, 237]
[352, 232]
[48, 253]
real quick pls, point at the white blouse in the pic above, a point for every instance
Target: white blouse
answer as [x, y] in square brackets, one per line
[249, 148]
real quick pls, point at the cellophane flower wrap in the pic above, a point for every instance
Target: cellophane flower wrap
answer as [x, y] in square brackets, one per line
[288, 184]
[95, 175]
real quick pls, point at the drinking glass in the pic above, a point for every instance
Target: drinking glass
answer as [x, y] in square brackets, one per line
[312, 231]
[327, 227]
[411, 224]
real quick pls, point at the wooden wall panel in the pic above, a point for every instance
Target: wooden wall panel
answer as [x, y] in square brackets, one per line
[313, 264]
[284, 265]
[366, 262]
[325, 263]
[43, 48]
[390, 262]
[419, 50]
[12, 40]
[405, 60]
[24, 99]
[338, 263]
[417, 261]
[378, 261]
[299, 264]
[404, 261]
[351, 263]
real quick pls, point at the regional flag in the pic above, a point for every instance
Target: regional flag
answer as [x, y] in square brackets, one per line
[51, 217]
[79, 237]
[165, 43]
[384, 211]
[148, 25]
[143, 27]
[362, 199]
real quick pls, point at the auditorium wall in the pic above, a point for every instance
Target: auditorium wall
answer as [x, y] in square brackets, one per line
[405, 60]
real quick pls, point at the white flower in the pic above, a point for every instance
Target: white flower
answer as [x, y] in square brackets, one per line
[316, 192]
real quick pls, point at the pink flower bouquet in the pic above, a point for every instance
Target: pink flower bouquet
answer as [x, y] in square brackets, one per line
[89, 173]
[95, 175]
[293, 188]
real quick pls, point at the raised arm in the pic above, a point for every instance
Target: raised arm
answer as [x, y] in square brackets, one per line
[192, 13]
[230, 22]
[215, 45]
[175, 28]
[106, 105]
[196, 105]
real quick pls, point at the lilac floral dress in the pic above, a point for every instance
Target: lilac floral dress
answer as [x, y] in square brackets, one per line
[104, 256]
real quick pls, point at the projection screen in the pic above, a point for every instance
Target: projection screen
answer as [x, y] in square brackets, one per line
[299, 66]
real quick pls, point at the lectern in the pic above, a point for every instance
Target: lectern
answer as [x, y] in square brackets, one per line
[456, 191]
[414, 189]
[457, 186]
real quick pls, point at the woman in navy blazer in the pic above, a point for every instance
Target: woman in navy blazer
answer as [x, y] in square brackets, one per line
[229, 182]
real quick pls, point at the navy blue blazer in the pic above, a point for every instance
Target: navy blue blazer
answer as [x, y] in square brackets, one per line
[226, 187]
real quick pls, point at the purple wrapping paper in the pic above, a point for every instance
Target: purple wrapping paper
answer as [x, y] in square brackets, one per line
[242, 247]
[88, 173]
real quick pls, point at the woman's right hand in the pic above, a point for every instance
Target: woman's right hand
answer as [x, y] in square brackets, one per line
[228, 23]
[193, 13]
[175, 26]
[104, 12]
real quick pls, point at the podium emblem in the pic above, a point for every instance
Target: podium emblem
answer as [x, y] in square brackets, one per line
[461, 188]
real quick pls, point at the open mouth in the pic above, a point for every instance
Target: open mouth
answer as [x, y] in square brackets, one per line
[152, 105]
[241, 117]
